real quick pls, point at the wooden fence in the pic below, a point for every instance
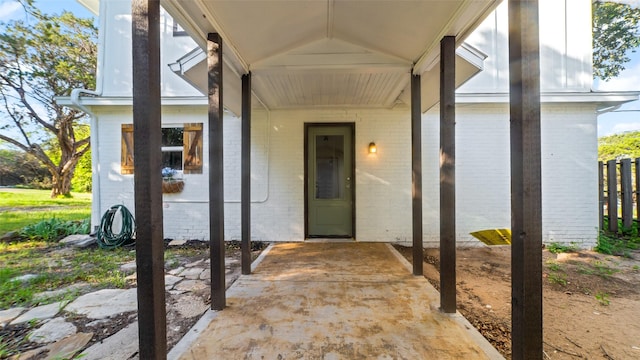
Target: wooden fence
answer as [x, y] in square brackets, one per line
[617, 194]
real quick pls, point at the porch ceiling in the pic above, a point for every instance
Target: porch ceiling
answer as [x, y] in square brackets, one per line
[315, 53]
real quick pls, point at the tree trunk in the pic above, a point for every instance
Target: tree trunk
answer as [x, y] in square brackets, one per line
[61, 181]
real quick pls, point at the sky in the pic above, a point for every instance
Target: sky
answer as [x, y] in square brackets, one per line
[11, 9]
[626, 118]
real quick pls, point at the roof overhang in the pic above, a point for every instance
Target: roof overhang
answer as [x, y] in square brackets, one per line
[91, 5]
[329, 53]
[127, 101]
[275, 78]
[602, 99]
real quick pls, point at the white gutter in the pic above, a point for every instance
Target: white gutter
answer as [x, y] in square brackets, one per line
[608, 109]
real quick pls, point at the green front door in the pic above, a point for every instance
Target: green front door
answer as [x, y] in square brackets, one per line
[330, 181]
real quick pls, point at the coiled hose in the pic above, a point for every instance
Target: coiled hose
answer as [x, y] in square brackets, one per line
[106, 238]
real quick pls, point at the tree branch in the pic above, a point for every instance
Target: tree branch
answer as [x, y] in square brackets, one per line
[15, 119]
[14, 142]
[23, 99]
[37, 151]
[85, 141]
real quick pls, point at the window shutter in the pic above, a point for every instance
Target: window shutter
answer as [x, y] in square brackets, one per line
[126, 156]
[192, 148]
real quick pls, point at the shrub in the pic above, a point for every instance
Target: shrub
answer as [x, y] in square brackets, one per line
[620, 243]
[557, 248]
[81, 181]
[54, 229]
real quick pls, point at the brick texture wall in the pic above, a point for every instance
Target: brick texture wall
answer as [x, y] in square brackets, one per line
[383, 181]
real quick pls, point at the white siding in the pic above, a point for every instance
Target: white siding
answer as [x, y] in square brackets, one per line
[115, 68]
[565, 50]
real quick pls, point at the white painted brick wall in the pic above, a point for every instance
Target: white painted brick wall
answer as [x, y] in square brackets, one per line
[482, 171]
[186, 213]
[483, 201]
[382, 187]
[383, 181]
[570, 174]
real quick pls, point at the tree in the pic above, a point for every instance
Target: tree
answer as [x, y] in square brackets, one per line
[37, 64]
[618, 146]
[82, 177]
[615, 31]
[20, 168]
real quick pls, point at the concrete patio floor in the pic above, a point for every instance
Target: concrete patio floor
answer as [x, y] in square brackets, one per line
[332, 301]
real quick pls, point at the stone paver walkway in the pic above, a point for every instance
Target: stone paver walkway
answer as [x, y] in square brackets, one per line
[60, 339]
[304, 300]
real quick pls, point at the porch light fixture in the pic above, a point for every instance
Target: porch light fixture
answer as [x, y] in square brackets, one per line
[373, 148]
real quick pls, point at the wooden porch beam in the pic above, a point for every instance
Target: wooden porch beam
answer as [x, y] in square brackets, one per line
[216, 171]
[526, 198]
[448, 174]
[246, 174]
[147, 131]
[416, 170]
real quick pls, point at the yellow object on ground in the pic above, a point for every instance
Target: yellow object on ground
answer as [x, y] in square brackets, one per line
[493, 236]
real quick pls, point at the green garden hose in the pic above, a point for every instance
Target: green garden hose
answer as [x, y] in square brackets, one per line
[106, 238]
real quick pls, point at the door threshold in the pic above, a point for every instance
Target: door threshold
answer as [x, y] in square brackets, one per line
[326, 240]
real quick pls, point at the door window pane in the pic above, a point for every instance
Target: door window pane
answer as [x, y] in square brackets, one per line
[330, 181]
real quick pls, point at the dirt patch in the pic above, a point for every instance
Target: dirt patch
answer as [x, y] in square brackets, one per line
[591, 301]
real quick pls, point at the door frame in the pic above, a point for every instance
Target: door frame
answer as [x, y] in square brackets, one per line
[352, 126]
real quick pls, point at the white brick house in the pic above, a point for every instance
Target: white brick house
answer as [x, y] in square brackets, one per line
[382, 181]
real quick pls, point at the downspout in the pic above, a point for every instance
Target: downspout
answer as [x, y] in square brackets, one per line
[95, 166]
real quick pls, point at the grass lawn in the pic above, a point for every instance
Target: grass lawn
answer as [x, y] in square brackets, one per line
[22, 207]
[54, 267]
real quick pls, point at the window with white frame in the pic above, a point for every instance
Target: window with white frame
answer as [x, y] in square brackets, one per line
[172, 147]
